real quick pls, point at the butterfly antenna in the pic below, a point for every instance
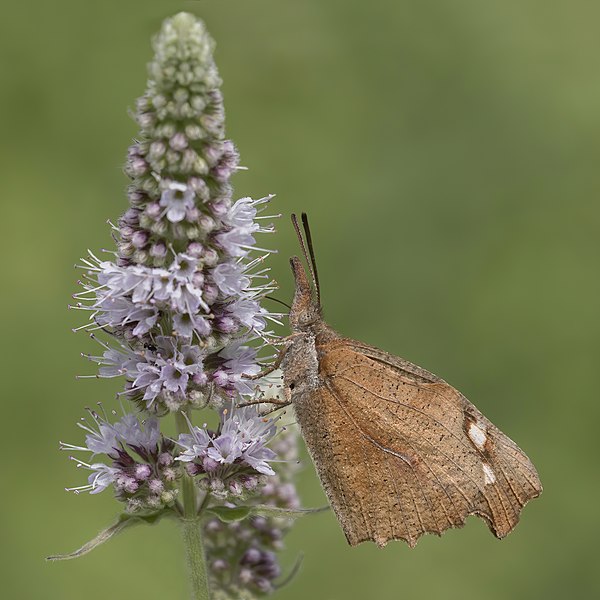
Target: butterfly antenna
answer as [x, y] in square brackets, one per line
[311, 250]
[307, 256]
[279, 301]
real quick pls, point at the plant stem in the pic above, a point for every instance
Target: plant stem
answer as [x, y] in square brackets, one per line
[192, 530]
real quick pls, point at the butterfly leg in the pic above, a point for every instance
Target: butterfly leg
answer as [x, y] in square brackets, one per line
[274, 409]
[277, 404]
[267, 370]
[277, 362]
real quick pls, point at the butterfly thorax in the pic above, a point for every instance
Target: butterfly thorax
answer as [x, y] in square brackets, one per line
[300, 366]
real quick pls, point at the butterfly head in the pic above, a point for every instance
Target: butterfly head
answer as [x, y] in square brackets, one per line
[306, 307]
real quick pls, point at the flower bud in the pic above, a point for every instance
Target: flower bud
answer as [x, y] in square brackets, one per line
[139, 239]
[142, 472]
[156, 486]
[178, 141]
[168, 497]
[200, 379]
[157, 150]
[219, 565]
[158, 250]
[195, 249]
[165, 459]
[153, 210]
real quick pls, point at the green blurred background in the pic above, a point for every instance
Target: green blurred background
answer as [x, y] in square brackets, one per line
[447, 153]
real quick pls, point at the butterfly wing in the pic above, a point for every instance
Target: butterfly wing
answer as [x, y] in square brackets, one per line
[401, 453]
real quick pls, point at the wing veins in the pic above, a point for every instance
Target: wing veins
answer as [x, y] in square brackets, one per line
[393, 480]
[366, 435]
[519, 453]
[483, 490]
[413, 408]
[376, 355]
[456, 485]
[392, 453]
[425, 461]
[510, 485]
[499, 439]
[397, 455]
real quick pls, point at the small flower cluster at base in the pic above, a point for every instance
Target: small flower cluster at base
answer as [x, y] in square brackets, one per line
[142, 467]
[242, 555]
[232, 461]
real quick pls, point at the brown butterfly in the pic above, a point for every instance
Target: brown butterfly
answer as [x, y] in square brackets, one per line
[399, 451]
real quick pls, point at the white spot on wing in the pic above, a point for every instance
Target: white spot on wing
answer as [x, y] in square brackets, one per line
[488, 475]
[477, 435]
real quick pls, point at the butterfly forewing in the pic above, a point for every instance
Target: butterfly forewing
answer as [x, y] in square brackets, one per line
[402, 453]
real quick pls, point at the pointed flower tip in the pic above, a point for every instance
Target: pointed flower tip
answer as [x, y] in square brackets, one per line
[182, 27]
[184, 20]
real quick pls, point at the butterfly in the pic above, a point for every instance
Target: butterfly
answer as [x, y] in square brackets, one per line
[399, 451]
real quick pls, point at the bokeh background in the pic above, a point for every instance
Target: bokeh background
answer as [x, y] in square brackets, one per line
[447, 153]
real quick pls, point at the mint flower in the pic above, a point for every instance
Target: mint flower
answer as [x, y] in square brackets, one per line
[183, 283]
[233, 453]
[141, 461]
[176, 312]
[243, 555]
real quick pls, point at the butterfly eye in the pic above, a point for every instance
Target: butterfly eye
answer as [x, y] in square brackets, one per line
[292, 385]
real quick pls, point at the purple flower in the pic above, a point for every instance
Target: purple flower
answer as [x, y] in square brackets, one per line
[103, 441]
[242, 436]
[145, 434]
[240, 360]
[121, 311]
[140, 461]
[257, 456]
[248, 312]
[181, 297]
[185, 325]
[229, 278]
[177, 198]
[148, 379]
[107, 438]
[196, 444]
[174, 379]
[146, 319]
[184, 267]
[135, 296]
[226, 448]
[101, 477]
[115, 362]
[236, 242]
[250, 425]
[248, 546]
[167, 367]
[241, 215]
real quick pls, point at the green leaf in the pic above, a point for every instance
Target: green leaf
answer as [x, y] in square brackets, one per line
[239, 513]
[230, 515]
[290, 513]
[124, 521]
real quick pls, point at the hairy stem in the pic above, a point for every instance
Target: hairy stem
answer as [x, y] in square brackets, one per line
[192, 531]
